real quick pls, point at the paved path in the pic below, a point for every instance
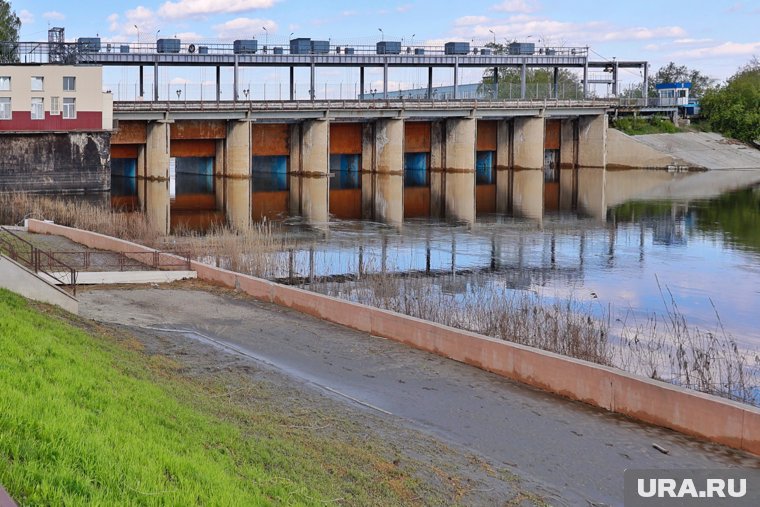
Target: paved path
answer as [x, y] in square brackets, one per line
[577, 452]
[705, 149]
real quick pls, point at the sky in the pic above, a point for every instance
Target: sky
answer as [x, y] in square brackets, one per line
[716, 37]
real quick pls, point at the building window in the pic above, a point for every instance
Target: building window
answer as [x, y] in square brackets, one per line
[69, 83]
[69, 109]
[5, 108]
[38, 109]
[38, 83]
[55, 106]
[5, 83]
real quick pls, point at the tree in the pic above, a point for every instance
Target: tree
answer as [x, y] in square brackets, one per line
[734, 109]
[672, 73]
[539, 81]
[10, 24]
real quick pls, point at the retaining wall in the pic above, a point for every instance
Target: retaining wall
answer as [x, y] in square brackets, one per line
[55, 162]
[18, 279]
[705, 416]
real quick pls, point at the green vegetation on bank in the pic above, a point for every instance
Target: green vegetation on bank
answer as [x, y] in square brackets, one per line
[88, 418]
[734, 109]
[637, 125]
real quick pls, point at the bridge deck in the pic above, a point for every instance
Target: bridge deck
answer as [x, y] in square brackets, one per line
[354, 109]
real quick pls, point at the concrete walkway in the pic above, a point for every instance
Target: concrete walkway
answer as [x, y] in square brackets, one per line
[578, 453]
[709, 150]
[5, 499]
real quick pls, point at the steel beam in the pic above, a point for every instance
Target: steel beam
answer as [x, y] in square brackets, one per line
[585, 79]
[218, 83]
[456, 78]
[430, 83]
[361, 82]
[292, 83]
[555, 88]
[235, 80]
[155, 82]
[142, 82]
[312, 81]
[523, 80]
[645, 91]
[385, 80]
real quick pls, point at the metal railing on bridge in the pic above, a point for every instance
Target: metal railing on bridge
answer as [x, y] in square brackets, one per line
[321, 105]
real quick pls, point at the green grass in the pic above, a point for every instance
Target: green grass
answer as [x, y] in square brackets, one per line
[636, 125]
[87, 419]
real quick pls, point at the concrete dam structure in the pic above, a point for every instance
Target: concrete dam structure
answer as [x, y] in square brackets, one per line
[381, 161]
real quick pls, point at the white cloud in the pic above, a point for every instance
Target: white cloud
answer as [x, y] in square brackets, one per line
[517, 6]
[244, 28]
[189, 36]
[201, 8]
[721, 50]
[550, 31]
[113, 22]
[26, 17]
[641, 33]
[403, 8]
[688, 41]
[54, 16]
[470, 20]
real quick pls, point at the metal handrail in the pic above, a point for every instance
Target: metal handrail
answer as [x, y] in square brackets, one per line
[395, 103]
[84, 260]
[35, 258]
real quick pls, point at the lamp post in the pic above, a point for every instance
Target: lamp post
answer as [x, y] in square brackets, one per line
[138, 36]
[494, 36]
[382, 34]
[157, 32]
[266, 36]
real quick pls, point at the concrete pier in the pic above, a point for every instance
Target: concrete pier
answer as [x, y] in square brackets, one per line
[156, 195]
[459, 175]
[592, 141]
[528, 163]
[237, 178]
[389, 162]
[315, 164]
[219, 171]
[503, 164]
[437, 158]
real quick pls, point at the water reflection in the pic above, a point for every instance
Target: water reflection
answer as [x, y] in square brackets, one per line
[704, 252]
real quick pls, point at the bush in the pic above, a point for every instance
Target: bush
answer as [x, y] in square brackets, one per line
[734, 109]
[637, 125]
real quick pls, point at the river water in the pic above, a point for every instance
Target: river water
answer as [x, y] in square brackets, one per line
[704, 254]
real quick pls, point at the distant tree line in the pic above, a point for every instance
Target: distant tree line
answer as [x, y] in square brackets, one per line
[734, 108]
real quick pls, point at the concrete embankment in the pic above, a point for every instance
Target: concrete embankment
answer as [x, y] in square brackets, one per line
[5, 499]
[708, 417]
[16, 278]
[679, 152]
[706, 149]
[628, 152]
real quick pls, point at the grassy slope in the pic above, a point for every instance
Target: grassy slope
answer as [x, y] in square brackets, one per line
[83, 419]
[636, 126]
